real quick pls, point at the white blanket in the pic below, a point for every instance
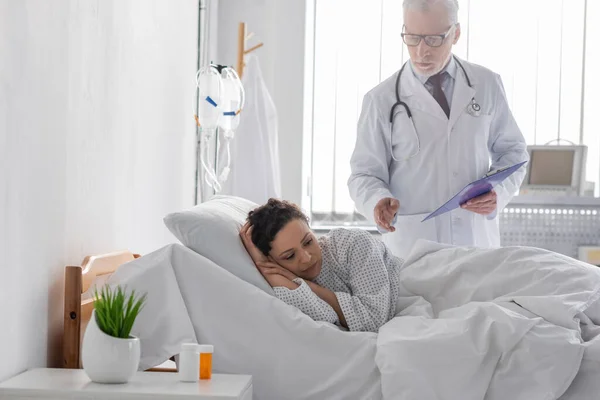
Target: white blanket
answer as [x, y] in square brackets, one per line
[512, 323]
[290, 356]
[496, 324]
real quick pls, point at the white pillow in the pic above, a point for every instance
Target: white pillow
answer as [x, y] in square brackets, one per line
[212, 229]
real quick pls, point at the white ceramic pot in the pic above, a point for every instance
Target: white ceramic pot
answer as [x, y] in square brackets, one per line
[107, 359]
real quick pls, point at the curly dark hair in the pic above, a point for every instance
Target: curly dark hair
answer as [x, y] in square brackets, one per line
[268, 219]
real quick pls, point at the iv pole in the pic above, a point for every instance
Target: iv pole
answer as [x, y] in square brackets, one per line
[243, 37]
[201, 62]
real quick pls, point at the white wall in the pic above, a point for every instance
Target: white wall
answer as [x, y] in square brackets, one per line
[96, 146]
[280, 25]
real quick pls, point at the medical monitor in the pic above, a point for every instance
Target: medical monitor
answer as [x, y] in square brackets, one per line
[555, 170]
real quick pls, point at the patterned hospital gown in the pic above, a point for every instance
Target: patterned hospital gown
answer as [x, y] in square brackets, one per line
[361, 272]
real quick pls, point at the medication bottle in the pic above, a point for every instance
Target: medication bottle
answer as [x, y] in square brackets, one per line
[189, 362]
[206, 352]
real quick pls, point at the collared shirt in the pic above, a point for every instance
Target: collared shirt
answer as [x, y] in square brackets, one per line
[447, 82]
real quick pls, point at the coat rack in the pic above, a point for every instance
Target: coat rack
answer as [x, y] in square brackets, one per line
[242, 51]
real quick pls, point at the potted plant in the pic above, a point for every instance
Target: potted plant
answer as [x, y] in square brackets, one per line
[110, 354]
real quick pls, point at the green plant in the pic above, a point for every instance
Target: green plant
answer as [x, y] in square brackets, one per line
[116, 311]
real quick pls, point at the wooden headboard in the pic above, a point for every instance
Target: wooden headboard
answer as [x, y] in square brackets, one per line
[77, 312]
[78, 308]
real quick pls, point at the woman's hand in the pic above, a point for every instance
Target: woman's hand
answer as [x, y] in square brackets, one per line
[276, 275]
[246, 236]
[272, 272]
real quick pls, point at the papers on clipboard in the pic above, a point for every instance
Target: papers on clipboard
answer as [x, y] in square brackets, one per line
[475, 189]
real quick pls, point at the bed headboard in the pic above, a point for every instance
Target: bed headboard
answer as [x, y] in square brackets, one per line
[79, 304]
[78, 308]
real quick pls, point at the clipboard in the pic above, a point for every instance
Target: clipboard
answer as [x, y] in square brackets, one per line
[476, 188]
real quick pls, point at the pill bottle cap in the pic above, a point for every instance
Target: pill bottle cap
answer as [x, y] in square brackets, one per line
[206, 348]
[190, 347]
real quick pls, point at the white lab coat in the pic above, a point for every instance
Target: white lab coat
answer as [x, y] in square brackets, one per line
[255, 168]
[453, 152]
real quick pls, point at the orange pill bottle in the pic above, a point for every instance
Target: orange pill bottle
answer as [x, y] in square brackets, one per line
[206, 353]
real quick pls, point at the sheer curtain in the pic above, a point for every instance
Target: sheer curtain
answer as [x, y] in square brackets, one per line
[545, 50]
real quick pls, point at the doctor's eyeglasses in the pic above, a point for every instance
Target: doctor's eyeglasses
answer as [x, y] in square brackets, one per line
[431, 40]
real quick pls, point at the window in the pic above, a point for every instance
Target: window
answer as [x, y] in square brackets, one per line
[544, 50]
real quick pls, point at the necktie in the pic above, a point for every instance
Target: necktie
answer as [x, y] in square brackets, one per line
[438, 93]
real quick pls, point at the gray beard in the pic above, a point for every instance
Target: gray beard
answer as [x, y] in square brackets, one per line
[436, 71]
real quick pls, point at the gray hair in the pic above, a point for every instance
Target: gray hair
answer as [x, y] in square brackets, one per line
[423, 5]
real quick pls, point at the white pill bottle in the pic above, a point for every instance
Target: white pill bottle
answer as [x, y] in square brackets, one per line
[189, 362]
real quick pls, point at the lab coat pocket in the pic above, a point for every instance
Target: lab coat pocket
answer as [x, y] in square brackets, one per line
[480, 125]
[409, 229]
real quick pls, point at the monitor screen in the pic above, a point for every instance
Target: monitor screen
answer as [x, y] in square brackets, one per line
[551, 167]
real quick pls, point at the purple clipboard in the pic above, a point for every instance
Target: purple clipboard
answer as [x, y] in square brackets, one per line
[477, 188]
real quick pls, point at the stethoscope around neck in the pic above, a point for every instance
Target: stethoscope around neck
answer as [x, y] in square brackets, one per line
[474, 109]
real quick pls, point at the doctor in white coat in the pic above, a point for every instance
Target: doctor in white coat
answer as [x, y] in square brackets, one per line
[429, 130]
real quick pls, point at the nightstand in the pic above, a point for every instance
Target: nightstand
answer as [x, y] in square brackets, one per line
[55, 384]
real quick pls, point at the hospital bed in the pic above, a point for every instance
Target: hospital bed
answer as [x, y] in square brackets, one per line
[290, 356]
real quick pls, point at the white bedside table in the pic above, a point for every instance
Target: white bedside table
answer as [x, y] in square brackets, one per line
[54, 384]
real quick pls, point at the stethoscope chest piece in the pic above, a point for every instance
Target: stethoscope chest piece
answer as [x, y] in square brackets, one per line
[474, 108]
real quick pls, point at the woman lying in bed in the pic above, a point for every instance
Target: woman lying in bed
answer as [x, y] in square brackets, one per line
[350, 278]
[346, 277]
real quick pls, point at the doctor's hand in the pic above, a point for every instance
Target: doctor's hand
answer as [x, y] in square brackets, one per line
[483, 205]
[384, 212]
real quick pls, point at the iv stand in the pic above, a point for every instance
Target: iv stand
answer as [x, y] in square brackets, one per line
[202, 191]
